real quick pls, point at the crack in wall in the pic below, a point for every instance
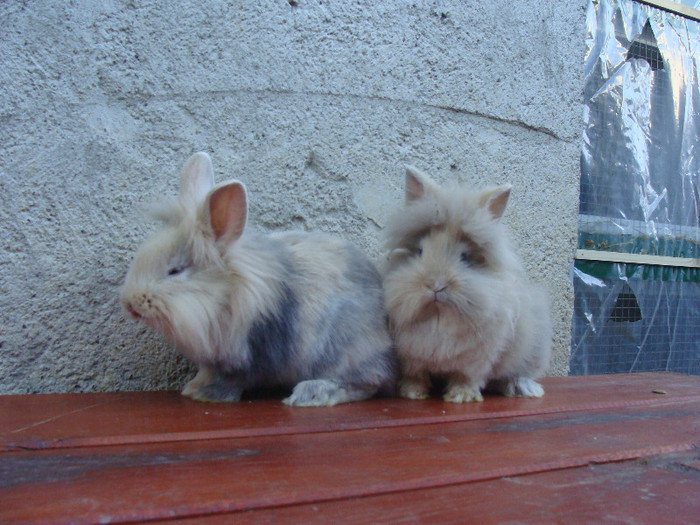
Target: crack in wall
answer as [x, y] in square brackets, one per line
[175, 96]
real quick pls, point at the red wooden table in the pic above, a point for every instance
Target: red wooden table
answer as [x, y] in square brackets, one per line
[617, 448]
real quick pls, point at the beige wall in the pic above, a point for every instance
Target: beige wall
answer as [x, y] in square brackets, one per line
[316, 107]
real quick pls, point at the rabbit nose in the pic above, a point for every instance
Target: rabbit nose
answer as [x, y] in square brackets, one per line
[438, 287]
[438, 291]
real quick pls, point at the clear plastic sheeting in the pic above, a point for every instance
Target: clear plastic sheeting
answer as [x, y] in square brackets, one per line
[640, 174]
[641, 149]
[633, 318]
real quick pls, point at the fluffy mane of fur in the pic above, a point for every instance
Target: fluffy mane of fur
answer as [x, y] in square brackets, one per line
[457, 210]
[459, 303]
[258, 310]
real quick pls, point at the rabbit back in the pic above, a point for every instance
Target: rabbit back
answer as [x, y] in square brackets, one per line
[327, 319]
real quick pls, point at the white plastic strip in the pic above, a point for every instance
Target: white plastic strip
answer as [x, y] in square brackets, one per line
[637, 258]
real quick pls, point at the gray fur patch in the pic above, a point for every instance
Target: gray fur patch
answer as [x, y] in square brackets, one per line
[379, 370]
[362, 272]
[273, 340]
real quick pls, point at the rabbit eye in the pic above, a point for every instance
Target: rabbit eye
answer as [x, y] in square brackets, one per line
[473, 259]
[419, 252]
[176, 270]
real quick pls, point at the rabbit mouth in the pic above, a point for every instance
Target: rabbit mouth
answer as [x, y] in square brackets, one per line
[434, 307]
[133, 313]
[152, 318]
[440, 296]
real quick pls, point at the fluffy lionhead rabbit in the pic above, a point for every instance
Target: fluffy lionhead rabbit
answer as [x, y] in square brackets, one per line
[288, 309]
[459, 303]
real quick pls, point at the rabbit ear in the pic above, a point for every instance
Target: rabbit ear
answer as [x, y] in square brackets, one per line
[228, 212]
[416, 183]
[197, 178]
[495, 199]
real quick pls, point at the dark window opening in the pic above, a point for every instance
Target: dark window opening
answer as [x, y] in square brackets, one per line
[645, 47]
[626, 307]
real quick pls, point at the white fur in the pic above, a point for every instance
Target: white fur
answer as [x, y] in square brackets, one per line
[208, 287]
[459, 303]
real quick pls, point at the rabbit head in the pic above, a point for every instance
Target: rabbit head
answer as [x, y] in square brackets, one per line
[174, 284]
[449, 255]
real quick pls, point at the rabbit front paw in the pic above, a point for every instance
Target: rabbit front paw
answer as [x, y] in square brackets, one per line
[414, 389]
[522, 387]
[463, 394]
[209, 387]
[205, 375]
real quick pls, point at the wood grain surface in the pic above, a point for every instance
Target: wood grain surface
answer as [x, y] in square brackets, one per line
[594, 449]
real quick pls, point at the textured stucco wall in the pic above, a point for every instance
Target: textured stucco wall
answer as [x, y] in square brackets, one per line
[316, 106]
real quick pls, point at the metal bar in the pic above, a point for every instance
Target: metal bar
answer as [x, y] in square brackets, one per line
[674, 7]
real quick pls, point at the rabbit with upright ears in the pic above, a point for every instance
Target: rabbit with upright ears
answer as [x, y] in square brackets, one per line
[289, 309]
[459, 302]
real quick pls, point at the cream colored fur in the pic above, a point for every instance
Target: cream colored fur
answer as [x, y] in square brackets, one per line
[286, 309]
[459, 302]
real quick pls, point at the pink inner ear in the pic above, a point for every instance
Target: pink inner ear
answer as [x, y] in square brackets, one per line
[414, 188]
[228, 210]
[497, 203]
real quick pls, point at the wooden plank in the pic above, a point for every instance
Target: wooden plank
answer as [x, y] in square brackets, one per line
[71, 420]
[660, 489]
[167, 480]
